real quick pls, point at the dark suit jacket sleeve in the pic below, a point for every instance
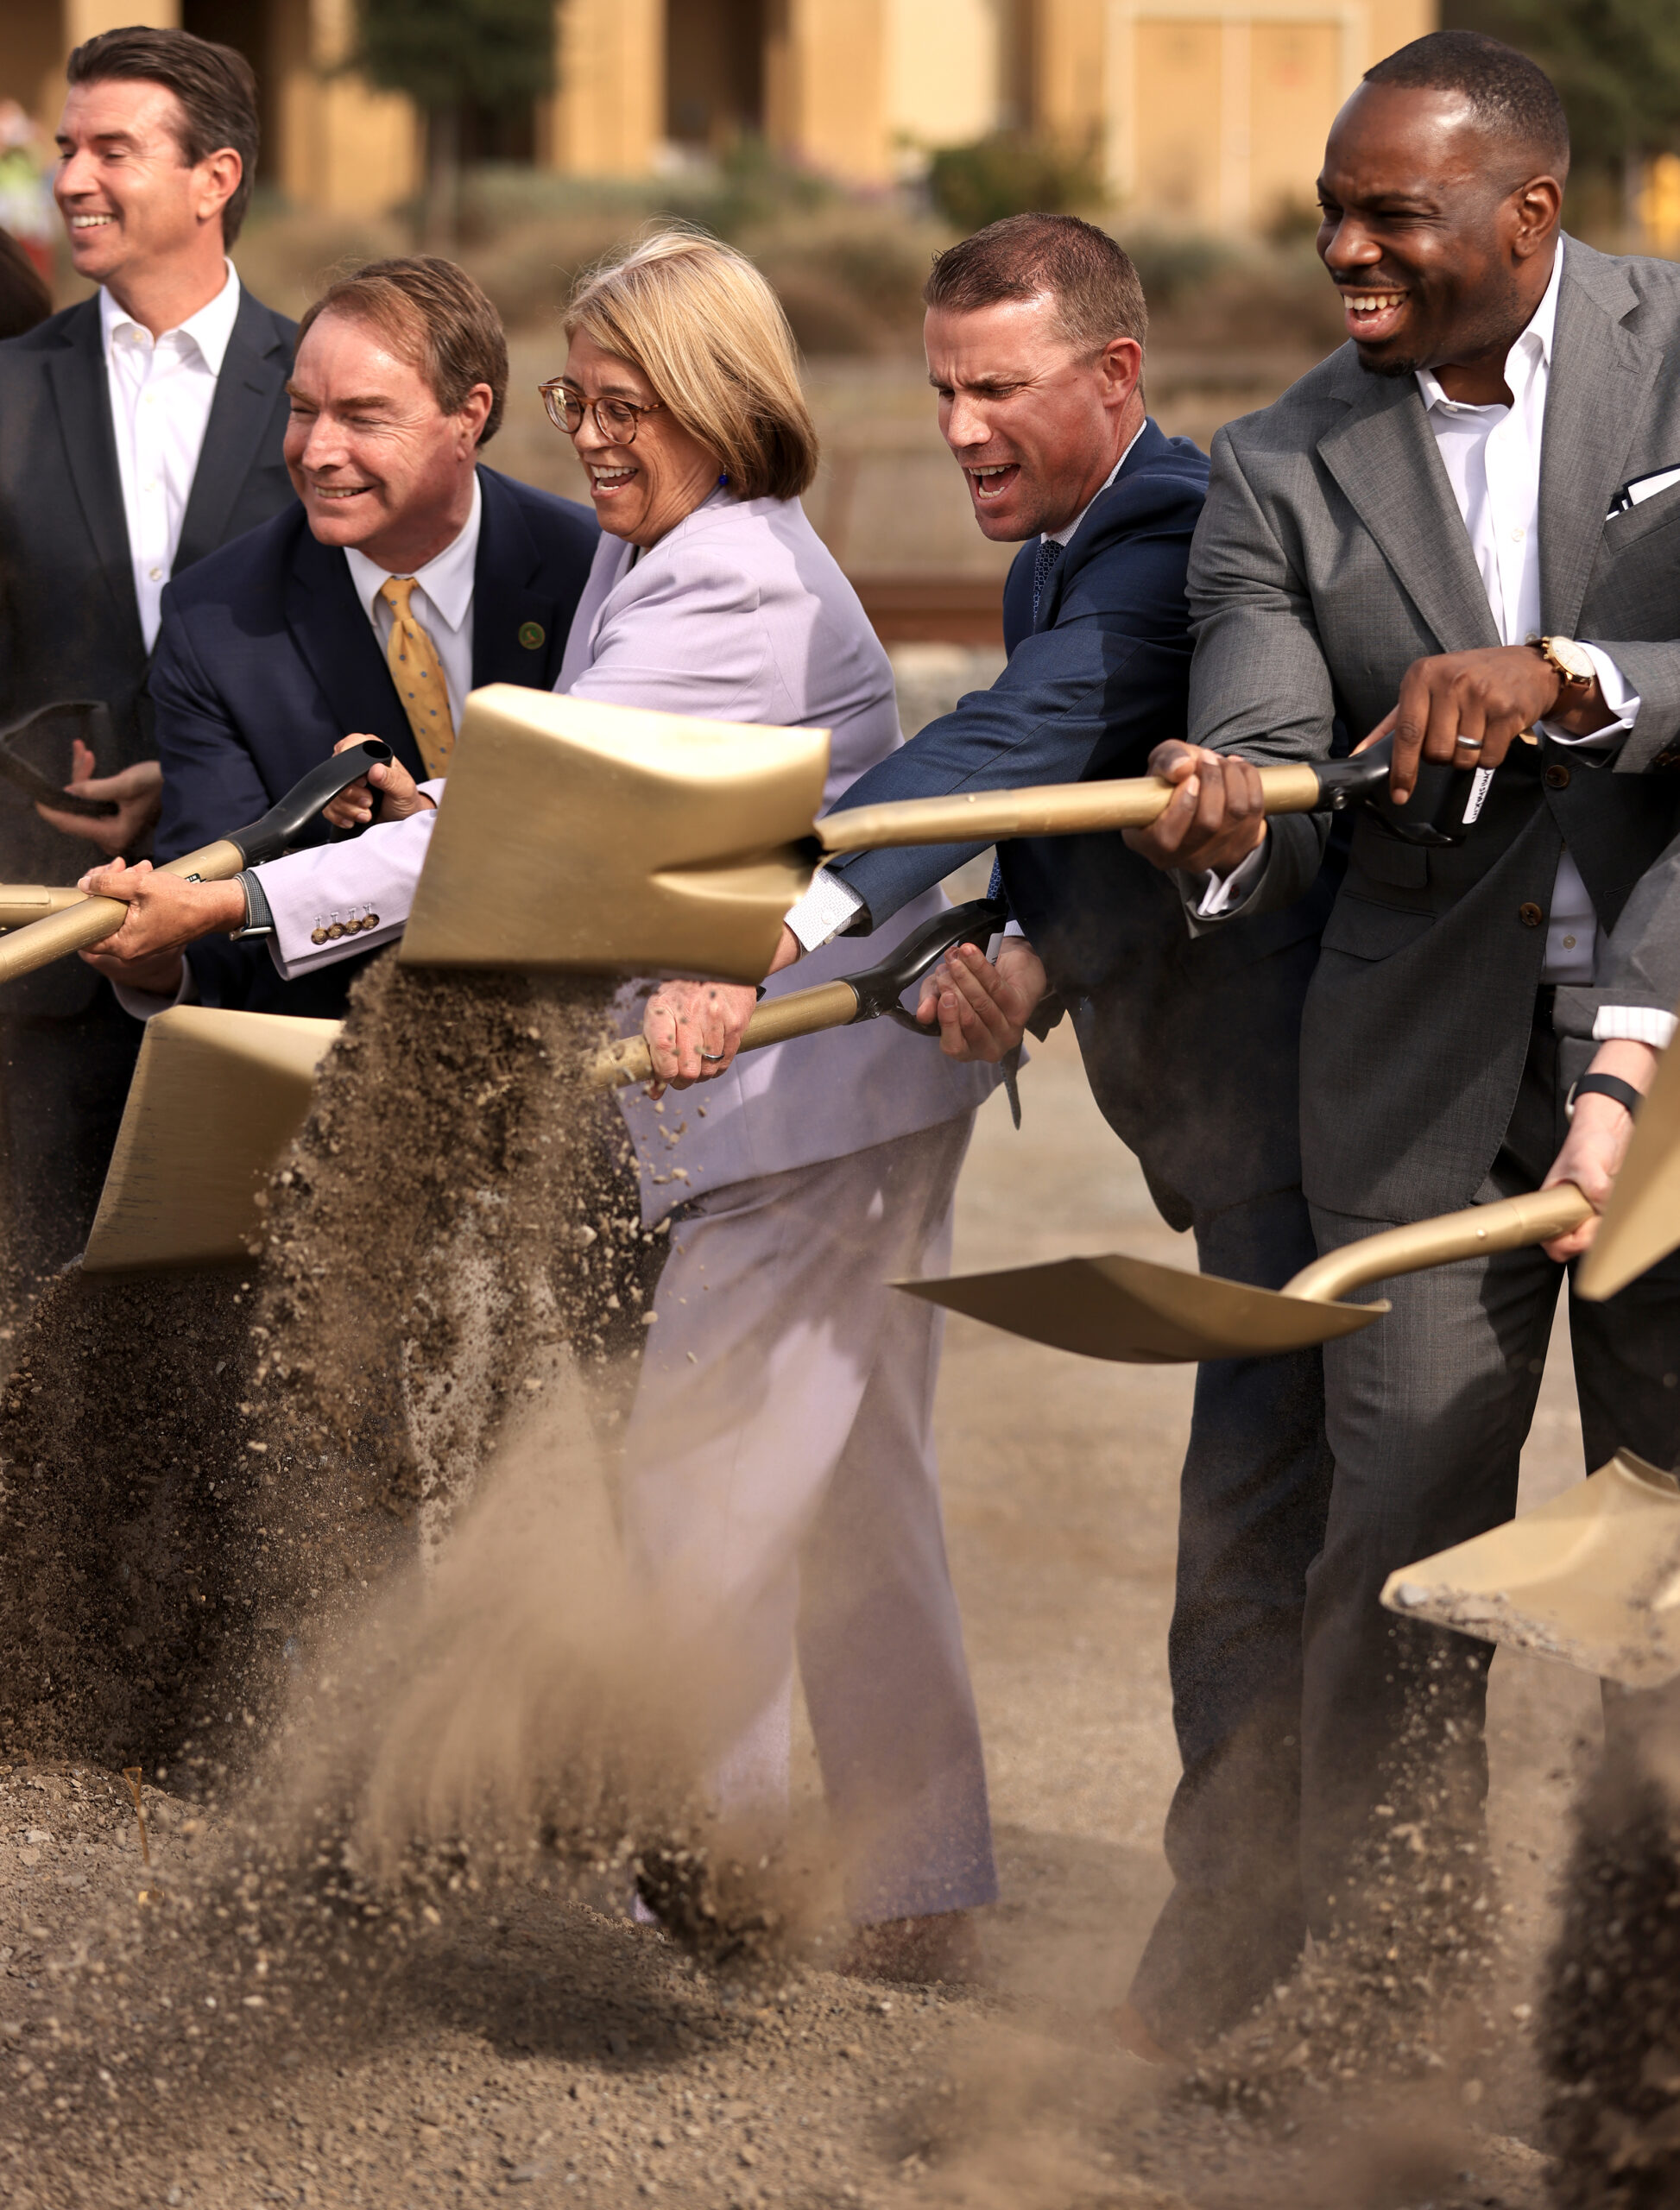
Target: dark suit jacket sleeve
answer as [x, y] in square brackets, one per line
[1258, 682]
[211, 785]
[1090, 698]
[1640, 963]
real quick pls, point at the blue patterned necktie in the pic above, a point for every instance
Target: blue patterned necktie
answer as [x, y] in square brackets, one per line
[1044, 567]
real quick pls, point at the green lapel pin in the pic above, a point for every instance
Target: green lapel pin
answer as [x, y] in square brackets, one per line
[531, 636]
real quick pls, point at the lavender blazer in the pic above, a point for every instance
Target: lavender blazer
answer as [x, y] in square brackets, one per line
[740, 614]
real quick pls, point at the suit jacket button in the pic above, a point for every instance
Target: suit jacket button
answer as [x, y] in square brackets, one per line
[337, 927]
[370, 920]
[1530, 915]
[1557, 777]
[318, 936]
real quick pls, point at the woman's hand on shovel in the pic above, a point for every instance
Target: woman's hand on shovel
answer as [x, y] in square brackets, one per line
[165, 913]
[693, 1030]
[1598, 1139]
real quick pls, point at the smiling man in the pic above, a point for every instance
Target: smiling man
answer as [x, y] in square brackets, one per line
[139, 430]
[1463, 528]
[407, 575]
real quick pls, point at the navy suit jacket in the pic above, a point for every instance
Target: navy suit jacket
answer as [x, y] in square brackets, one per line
[1191, 1044]
[266, 658]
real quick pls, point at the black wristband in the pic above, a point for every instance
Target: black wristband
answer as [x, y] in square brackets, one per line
[1606, 1085]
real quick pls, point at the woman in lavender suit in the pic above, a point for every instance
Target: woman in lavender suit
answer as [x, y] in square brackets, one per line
[780, 1496]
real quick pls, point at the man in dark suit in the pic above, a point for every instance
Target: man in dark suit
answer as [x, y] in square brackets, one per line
[1034, 340]
[138, 431]
[407, 575]
[1463, 526]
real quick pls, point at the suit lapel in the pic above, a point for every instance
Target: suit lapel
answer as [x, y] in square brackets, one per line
[253, 374]
[1602, 376]
[1388, 466]
[1018, 596]
[518, 630]
[82, 397]
[335, 636]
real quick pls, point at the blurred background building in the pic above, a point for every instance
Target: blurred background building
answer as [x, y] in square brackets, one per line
[1203, 112]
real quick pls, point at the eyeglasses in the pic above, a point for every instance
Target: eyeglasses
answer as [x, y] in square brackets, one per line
[616, 419]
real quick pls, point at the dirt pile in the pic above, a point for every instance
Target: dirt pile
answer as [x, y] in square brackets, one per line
[1611, 2016]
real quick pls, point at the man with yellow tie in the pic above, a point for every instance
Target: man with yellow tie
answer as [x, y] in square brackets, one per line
[409, 575]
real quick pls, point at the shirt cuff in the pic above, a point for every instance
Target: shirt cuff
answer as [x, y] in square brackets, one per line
[146, 1004]
[1623, 702]
[827, 907]
[1216, 896]
[1634, 1024]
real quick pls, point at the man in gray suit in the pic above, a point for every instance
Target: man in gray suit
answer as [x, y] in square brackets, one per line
[1463, 525]
[139, 430]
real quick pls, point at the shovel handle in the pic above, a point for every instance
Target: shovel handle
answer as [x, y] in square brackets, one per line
[23, 902]
[801, 1013]
[1051, 810]
[1510, 1225]
[89, 921]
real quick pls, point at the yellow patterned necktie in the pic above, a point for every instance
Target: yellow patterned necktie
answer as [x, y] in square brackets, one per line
[418, 674]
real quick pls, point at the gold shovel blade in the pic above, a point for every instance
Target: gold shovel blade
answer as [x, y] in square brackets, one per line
[1593, 1578]
[216, 1098]
[1641, 1222]
[580, 836]
[1141, 1314]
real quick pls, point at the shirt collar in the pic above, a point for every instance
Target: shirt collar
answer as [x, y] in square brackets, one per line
[1537, 337]
[446, 578]
[1066, 536]
[211, 329]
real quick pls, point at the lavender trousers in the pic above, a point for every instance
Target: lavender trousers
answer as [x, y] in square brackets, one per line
[780, 1501]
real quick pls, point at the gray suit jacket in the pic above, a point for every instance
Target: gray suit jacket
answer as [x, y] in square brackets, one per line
[1329, 555]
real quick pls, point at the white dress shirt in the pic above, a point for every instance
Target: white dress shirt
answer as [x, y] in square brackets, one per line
[830, 904]
[441, 602]
[161, 394]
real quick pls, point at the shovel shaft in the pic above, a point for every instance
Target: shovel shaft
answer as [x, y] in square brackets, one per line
[78, 927]
[1051, 809]
[801, 1013]
[23, 902]
[1510, 1225]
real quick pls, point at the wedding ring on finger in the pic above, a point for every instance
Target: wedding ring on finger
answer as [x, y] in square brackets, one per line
[711, 1057]
[1469, 743]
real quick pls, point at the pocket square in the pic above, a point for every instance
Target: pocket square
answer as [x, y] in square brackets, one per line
[1641, 488]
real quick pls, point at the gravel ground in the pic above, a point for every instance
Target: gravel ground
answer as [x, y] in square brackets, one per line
[538, 2044]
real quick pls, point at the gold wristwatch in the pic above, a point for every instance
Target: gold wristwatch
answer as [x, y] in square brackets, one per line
[1572, 663]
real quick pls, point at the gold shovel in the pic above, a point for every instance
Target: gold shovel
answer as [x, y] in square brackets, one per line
[585, 836]
[1141, 1314]
[46, 924]
[217, 1096]
[1593, 1578]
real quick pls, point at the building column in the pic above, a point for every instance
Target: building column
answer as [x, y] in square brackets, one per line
[607, 117]
[342, 146]
[825, 85]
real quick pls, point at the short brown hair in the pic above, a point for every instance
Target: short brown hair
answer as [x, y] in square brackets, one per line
[433, 314]
[1090, 277]
[709, 334]
[214, 85]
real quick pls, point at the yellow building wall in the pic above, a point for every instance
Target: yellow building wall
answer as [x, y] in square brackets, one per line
[607, 118]
[1216, 117]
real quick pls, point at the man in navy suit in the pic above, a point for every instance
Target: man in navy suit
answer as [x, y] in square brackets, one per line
[1034, 334]
[407, 575]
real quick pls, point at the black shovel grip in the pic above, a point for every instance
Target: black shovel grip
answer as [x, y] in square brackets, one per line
[879, 988]
[282, 824]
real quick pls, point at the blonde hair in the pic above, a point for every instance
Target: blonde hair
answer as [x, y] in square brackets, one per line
[709, 334]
